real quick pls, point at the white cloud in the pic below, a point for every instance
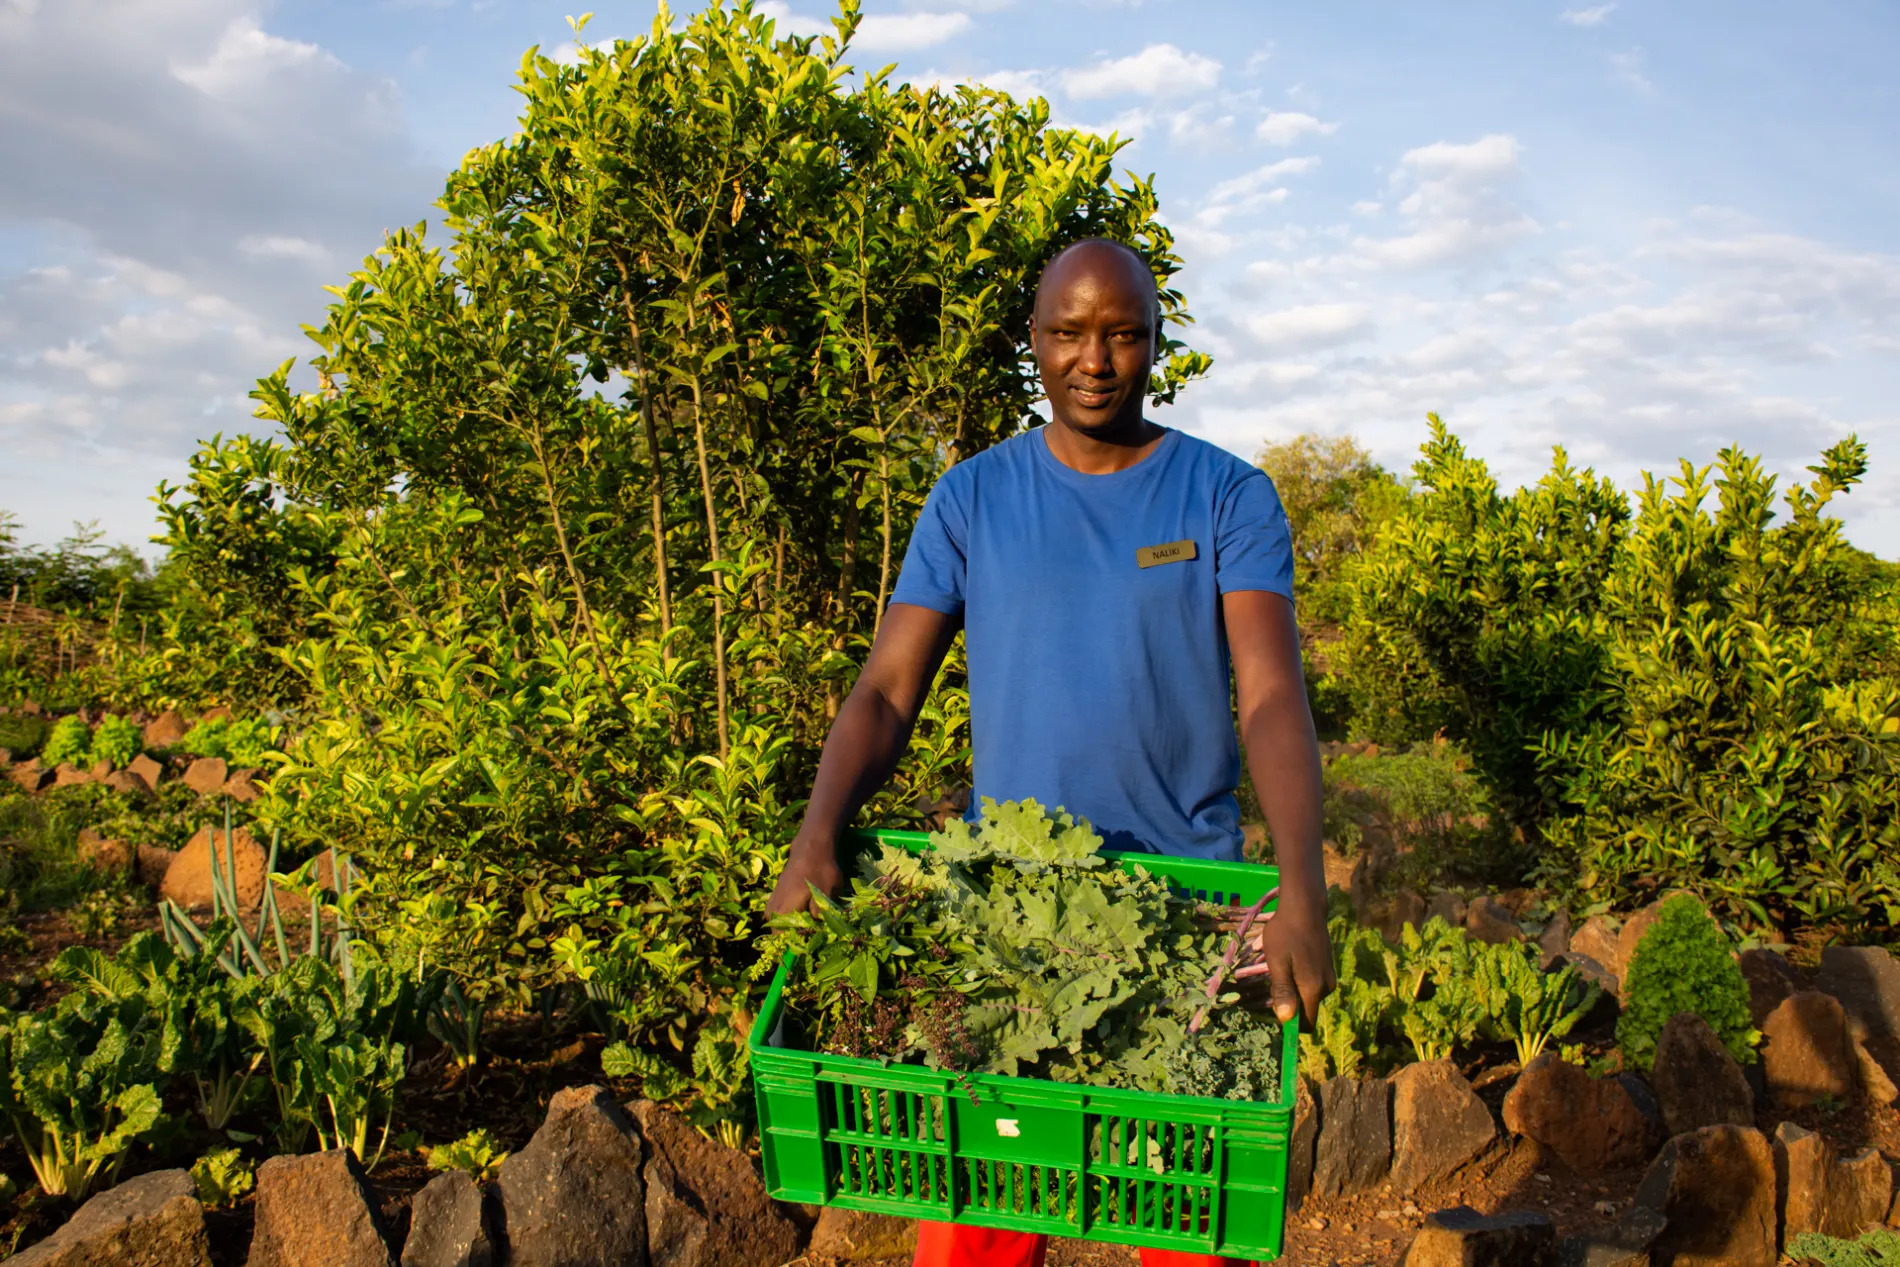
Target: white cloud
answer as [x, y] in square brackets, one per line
[1311, 325]
[1455, 204]
[903, 32]
[1628, 66]
[246, 56]
[1593, 16]
[1241, 188]
[1489, 156]
[1284, 127]
[1712, 330]
[1159, 70]
[278, 247]
[785, 22]
[175, 174]
[1024, 85]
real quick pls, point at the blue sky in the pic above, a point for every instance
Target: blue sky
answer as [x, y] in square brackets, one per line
[1640, 230]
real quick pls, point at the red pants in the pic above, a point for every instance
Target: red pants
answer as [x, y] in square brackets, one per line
[955, 1245]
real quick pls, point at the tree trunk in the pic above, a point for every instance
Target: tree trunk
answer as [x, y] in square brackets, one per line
[884, 569]
[653, 452]
[712, 547]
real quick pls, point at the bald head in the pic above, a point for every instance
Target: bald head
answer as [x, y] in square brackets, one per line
[1095, 258]
[1095, 335]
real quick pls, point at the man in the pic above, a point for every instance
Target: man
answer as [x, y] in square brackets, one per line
[1105, 572]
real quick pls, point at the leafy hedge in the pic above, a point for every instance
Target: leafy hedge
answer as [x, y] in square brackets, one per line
[1674, 694]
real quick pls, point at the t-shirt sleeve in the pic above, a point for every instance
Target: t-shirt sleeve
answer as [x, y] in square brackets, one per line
[936, 567]
[1253, 544]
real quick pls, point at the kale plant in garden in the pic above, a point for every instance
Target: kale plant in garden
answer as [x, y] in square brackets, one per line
[1014, 947]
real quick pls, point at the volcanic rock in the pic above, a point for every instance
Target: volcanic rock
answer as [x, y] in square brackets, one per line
[705, 1204]
[153, 1220]
[1716, 1189]
[205, 775]
[1807, 1054]
[576, 1194]
[146, 771]
[448, 1225]
[858, 1236]
[1354, 1151]
[166, 730]
[1696, 1081]
[188, 879]
[1770, 978]
[1593, 1124]
[1438, 1124]
[1488, 919]
[1820, 1192]
[1461, 1237]
[316, 1211]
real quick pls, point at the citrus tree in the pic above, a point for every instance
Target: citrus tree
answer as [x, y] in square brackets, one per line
[571, 555]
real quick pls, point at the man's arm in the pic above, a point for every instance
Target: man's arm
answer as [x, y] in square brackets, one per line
[864, 746]
[1276, 728]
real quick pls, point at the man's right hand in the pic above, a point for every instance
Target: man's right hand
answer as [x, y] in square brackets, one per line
[808, 866]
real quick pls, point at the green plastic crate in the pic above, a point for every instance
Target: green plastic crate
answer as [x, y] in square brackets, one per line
[1132, 1167]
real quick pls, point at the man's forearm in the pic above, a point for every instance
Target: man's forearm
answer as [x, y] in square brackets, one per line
[1283, 757]
[865, 744]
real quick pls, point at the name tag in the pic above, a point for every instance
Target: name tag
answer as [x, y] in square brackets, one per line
[1169, 552]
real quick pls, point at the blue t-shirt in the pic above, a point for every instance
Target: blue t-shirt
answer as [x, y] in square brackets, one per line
[1097, 684]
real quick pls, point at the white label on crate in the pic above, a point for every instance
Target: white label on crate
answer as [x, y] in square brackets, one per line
[1007, 1128]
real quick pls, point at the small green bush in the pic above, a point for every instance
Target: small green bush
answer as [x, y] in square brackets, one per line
[222, 1176]
[1879, 1248]
[21, 735]
[242, 743]
[70, 740]
[476, 1153]
[1684, 964]
[118, 740]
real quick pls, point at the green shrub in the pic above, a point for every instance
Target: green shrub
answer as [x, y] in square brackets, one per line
[242, 743]
[222, 1176]
[78, 1085]
[116, 739]
[476, 1154]
[21, 735]
[1684, 963]
[69, 742]
[1748, 753]
[1878, 1248]
[1694, 688]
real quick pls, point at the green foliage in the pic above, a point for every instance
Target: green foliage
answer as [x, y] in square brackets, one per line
[116, 739]
[1336, 500]
[242, 743]
[78, 1081]
[1751, 751]
[1878, 1248]
[1013, 947]
[222, 1176]
[476, 1153]
[1668, 693]
[1475, 613]
[334, 1042]
[1440, 993]
[21, 734]
[1684, 963]
[1528, 1006]
[97, 915]
[68, 744]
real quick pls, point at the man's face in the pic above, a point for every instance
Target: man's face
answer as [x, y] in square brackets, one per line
[1093, 335]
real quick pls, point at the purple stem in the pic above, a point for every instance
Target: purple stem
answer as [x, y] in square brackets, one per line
[1219, 976]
